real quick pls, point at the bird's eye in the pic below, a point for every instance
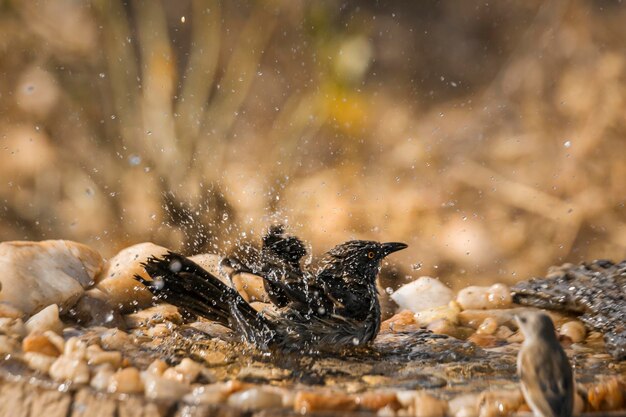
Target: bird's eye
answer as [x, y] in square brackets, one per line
[523, 320]
[370, 255]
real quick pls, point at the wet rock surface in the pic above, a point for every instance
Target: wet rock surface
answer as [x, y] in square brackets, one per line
[596, 291]
[457, 356]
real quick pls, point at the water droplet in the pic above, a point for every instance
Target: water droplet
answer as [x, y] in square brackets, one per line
[567, 144]
[416, 266]
[389, 290]
[134, 160]
[101, 75]
[355, 341]
[175, 266]
[182, 19]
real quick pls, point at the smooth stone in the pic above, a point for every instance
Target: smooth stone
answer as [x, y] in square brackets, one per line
[117, 280]
[255, 399]
[499, 403]
[159, 388]
[574, 330]
[422, 294]
[476, 298]
[448, 312]
[93, 309]
[70, 369]
[429, 406]
[211, 263]
[37, 274]
[46, 319]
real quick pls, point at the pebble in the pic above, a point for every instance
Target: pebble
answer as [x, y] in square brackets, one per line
[499, 403]
[503, 333]
[449, 312]
[159, 388]
[46, 319]
[75, 348]
[102, 378]
[474, 318]
[186, 371]
[445, 327]
[207, 394]
[71, 369]
[574, 330]
[117, 278]
[38, 274]
[484, 340]
[211, 262]
[464, 406]
[250, 287]
[153, 315]
[376, 400]
[39, 343]
[126, 381]
[115, 339]
[55, 339]
[607, 395]
[159, 330]
[93, 309]
[39, 362]
[309, 402]
[428, 406]
[488, 326]
[483, 298]
[422, 294]
[97, 356]
[157, 367]
[255, 399]
[399, 322]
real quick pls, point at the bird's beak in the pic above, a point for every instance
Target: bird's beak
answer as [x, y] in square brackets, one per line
[391, 247]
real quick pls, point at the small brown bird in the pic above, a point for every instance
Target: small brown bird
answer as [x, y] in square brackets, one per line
[544, 370]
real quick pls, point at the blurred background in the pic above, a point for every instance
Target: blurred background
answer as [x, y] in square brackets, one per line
[490, 136]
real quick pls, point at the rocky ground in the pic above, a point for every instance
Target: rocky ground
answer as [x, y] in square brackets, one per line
[80, 337]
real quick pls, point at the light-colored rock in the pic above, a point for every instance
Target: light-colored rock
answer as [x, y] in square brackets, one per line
[488, 326]
[153, 315]
[422, 294]
[499, 403]
[127, 381]
[574, 330]
[102, 378]
[186, 371]
[70, 369]
[12, 327]
[207, 394]
[55, 339]
[449, 312]
[37, 274]
[464, 406]
[506, 317]
[255, 399]
[429, 406]
[96, 356]
[503, 333]
[75, 348]
[115, 339]
[39, 343]
[399, 322]
[377, 400]
[250, 287]
[211, 262]
[117, 278]
[443, 326]
[46, 319]
[309, 402]
[157, 367]
[159, 330]
[159, 388]
[483, 298]
[39, 362]
[406, 398]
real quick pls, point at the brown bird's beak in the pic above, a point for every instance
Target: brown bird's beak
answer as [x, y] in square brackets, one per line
[391, 247]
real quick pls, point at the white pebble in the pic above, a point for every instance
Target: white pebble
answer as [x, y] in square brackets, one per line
[102, 378]
[46, 319]
[39, 362]
[255, 399]
[422, 294]
[159, 388]
[488, 326]
[71, 369]
[127, 380]
[482, 298]
[575, 330]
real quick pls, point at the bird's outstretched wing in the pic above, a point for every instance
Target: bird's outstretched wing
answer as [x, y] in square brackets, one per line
[547, 384]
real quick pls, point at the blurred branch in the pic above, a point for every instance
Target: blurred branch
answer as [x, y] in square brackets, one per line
[200, 72]
[238, 76]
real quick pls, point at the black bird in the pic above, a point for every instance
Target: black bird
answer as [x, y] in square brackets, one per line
[333, 308]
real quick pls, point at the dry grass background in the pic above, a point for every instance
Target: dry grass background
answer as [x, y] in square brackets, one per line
[488, 136]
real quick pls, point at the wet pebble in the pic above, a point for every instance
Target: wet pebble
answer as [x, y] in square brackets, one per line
[39, 362]
[374, 400]
[96, 356]
[102, 377]
[399, 322]
[159, 388]
[574, 330]
[8, 311]
[483, 298]
[54, 271]
[207, 394]
[186, 371]
[422, 294]
[428, 406]
[8, 345]
[449, 312]
[115, 339]
[464, 406]
[309, 401]
[117, 278]
[499, 403]
[255, 399]
[127, 381]
[67, 368]
[39, 343]
[153, 315]
[46, 319]
[488, 326]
